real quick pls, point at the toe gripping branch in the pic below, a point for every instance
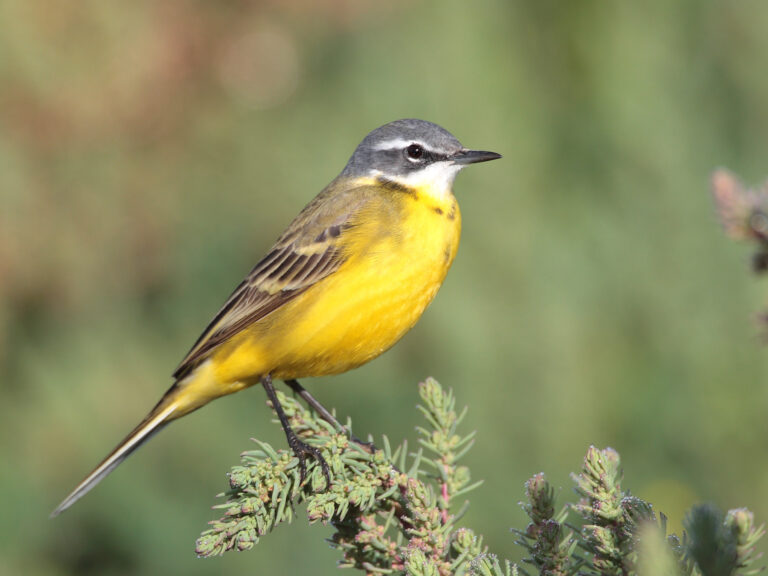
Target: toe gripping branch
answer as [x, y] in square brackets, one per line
[300, 449]
[326, 415]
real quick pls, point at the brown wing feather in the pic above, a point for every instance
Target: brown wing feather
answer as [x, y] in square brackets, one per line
[307, 252]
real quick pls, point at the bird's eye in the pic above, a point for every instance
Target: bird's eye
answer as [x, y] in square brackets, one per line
[414, 152]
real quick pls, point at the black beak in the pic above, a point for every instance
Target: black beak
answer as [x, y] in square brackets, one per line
[474, 156]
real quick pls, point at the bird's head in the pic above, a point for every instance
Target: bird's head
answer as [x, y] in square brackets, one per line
[414, 153]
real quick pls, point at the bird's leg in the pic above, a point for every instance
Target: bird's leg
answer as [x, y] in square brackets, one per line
[325, 414]
[314, 403]
[300, 449]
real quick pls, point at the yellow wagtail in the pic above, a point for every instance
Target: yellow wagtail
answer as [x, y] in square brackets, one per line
[349, 277]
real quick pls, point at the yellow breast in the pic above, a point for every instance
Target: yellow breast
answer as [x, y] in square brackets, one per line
[397, 257]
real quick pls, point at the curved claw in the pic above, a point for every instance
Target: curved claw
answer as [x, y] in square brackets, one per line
[301, 450]
[369, 447]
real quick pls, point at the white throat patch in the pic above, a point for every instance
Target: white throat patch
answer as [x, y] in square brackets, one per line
[435, 179]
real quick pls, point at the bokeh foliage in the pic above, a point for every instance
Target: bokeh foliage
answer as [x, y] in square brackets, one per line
[151, 151]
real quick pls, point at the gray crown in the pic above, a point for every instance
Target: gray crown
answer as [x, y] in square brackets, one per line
[384, 149]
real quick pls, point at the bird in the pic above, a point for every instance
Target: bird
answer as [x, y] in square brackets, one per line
[352, 273]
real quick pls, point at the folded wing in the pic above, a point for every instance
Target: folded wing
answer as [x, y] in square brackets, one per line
[310, 249]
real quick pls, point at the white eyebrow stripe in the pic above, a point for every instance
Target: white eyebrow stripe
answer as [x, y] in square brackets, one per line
[399, 144]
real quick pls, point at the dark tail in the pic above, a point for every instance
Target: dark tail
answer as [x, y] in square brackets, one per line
[143, 432]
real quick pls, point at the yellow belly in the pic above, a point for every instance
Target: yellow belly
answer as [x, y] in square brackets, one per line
[358, 312]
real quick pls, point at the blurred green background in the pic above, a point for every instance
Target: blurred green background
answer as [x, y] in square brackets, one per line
[150, 152]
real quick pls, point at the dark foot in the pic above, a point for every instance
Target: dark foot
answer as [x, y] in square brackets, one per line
[300, 449]
[326, 414]
[369, 447]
